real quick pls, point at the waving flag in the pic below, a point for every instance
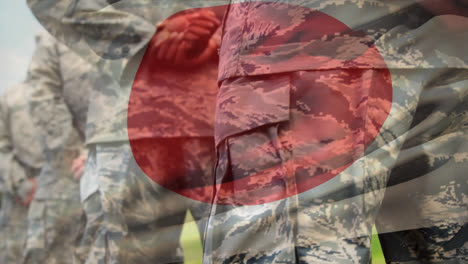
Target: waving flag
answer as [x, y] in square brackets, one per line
[325, 109]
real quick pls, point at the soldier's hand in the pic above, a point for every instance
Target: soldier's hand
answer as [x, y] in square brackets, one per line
[202, 26]
[32, 183]
[204, 55]
[198, 25]
[186, 40]
[78, 166]
[176, 51]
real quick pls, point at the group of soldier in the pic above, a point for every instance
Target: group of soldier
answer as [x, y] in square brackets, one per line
[288, 129]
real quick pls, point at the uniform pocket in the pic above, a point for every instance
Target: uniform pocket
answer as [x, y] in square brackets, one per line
[251, 168]
[247, 103]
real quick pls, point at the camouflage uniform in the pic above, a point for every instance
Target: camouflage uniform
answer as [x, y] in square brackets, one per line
[141, 221]
[20, 160]
[330, 223]
[271, 73]
[58, 108]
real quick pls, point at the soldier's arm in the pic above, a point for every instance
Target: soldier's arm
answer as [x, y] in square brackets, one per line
[186, 39]
[13, 174]
[59, 138]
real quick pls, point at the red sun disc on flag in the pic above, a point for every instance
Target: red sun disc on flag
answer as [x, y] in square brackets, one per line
[352, 92]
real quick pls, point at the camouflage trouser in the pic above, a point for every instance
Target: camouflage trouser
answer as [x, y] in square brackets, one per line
[331, 226]
[132, 219]
[94, 215]
[330, 223]
[13, 227]
[55, 227]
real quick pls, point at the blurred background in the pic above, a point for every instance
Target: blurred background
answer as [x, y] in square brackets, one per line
[17, 28]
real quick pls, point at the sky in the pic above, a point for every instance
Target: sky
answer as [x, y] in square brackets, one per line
[17, 27]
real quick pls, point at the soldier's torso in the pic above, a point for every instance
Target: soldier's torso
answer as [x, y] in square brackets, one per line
[275, 38]
[270, 37]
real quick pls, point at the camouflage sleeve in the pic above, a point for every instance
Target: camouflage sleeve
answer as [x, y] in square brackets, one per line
[59, 138]
[13, 174]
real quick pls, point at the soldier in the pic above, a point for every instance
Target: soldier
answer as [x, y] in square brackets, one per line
[280, 67]
[21, 160]
[137, 220]
[60, 88]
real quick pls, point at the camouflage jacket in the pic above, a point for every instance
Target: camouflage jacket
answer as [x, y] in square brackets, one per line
[114, 37]
[20, 159]
[254, 44]
[20, 153]
[60, 83]
[268, 37]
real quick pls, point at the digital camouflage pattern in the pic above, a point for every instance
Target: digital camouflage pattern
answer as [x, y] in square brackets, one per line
[296, 40]
[332, 223]
[20, 161]
[60, 83]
